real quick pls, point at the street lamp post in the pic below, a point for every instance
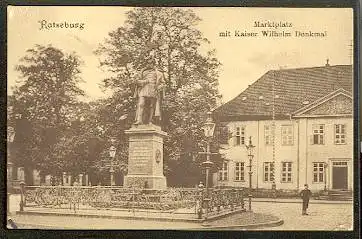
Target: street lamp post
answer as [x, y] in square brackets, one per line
[112, 154]
[275, 96]
[209, 128]
[250, 148]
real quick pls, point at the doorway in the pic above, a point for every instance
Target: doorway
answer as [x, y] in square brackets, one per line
[340, 175]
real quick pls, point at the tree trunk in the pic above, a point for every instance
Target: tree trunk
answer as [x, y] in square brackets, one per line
[28, 176]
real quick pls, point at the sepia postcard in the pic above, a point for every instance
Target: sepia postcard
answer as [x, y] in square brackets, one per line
[186, 118]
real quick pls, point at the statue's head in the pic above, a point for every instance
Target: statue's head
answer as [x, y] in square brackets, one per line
[151, 63]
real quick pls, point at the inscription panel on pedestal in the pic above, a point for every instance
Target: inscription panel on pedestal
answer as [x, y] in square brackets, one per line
[140, 158]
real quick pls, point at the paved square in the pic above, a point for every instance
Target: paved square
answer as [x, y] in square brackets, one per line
[328, 217]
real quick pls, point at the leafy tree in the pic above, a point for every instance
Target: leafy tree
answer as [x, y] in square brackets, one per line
[79, 148]
[46, 98]
[170, 36]
[22, 145]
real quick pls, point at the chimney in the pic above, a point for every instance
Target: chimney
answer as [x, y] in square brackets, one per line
[327, 64]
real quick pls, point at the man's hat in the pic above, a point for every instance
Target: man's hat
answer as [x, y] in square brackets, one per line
[305, 185]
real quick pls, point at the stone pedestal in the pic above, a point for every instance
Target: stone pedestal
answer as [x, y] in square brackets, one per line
[145, 158]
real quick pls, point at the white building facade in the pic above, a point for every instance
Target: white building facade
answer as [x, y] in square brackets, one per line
[312, 143]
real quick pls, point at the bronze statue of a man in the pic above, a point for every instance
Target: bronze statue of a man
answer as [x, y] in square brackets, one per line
[149, 91]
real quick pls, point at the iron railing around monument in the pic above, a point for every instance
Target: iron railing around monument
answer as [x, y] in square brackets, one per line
[193, 200]
[217, 201]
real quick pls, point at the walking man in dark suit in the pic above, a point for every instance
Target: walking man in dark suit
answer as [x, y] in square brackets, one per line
[305, 195]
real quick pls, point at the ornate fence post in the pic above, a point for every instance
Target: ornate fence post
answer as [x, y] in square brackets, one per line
[22, 196]
[211, 202]
[232, 194]
[133, 200]
[241, 196]
[70, 198]
[274, 190]
[218, 198]
[200, 201]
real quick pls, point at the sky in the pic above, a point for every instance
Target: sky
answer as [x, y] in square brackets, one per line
[244, 59]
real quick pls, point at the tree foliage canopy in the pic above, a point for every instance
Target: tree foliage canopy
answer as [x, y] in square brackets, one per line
[46, 103]
[170, 36]
[64, 134]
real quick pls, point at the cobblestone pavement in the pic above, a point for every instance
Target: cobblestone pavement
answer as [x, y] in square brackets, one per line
[321, 216]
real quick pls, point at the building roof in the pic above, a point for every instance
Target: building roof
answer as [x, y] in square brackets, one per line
[293, 88]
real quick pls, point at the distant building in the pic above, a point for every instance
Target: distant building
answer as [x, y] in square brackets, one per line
[311, 109]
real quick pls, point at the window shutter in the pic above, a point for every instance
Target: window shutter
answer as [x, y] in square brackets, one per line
[311, 139]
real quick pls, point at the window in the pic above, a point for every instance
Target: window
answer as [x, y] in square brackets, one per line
[287, 135]
[15, 174]
[223, 172]
[268, 171]
[318, 134]
[318, 172]
[340, 134]
[286, 172]
[239, 171]
[268, 135]
[240, 135]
